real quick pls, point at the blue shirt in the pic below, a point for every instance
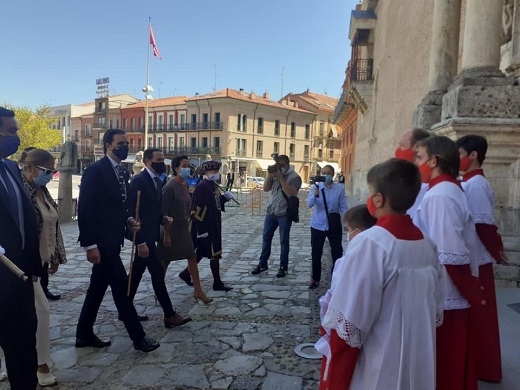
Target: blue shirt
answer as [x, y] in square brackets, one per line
[336, 203]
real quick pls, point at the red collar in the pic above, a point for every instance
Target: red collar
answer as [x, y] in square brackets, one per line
[470, 174]
[444, 177]
[400, 226]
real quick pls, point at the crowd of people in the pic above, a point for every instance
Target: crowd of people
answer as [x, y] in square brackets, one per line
[411, 303]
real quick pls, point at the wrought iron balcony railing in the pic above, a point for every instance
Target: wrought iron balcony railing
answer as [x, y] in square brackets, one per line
[362, 70]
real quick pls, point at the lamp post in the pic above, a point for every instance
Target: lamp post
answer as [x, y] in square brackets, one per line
[147, 89]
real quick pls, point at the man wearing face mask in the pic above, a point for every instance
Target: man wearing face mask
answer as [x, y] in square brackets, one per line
[102, 218]
[151, 217]
[329, 204]
[19, 242]
[283, 182]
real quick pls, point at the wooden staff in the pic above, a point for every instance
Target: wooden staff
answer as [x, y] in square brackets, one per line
[14, 269]
[224, 190]
[132, 252]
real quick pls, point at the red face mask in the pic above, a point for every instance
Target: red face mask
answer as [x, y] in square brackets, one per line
[371, 206]
[426, 172]
[407, 154]
[465, 164]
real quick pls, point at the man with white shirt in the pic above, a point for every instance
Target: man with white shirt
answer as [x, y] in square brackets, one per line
[102, 218]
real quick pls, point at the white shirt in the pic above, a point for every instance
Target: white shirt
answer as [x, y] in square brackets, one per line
[336, 203]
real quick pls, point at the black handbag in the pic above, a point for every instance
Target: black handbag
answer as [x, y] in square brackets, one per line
[293, 205]
[334, 219]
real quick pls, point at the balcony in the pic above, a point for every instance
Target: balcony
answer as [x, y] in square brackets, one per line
[259, 154]
[241, 153]
[209, 126]
[362, 70]
[99, 126]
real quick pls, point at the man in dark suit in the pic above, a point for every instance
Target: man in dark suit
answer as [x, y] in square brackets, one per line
[102, 218]
[151, 218]
[19, 239]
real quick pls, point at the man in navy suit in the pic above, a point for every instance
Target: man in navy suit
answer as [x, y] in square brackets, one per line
[151, 218]
[102, 218]
[19, 240]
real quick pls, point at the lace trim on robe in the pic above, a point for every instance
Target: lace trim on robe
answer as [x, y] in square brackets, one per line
[485, 218]
[455, 304]
[451, 258]
[439, 319]
[349, 332]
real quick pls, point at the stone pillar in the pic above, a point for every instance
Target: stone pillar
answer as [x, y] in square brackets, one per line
[65, 195]
[443, 61]
[514, 66]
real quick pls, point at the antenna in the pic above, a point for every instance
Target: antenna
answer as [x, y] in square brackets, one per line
[281, 90]
[215, 84]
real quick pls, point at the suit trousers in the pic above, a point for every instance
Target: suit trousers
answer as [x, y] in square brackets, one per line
[317, 241]
[109, 272]
[157, 273]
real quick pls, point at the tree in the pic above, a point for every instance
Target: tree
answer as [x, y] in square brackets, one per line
[34, 128]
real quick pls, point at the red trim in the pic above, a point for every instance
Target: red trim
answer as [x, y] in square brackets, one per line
[470, 174]
[400, 226]
[341, 366]
[444, 177]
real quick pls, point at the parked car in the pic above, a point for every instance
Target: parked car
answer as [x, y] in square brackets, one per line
[56, 176]
[255, 182]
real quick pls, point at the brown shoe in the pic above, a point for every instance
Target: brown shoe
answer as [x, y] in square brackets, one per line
[175, 320]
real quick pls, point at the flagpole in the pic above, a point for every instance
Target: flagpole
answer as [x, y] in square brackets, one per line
[147, 84]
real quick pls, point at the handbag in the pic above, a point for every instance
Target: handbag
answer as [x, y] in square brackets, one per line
[333, 219]
[293, 205]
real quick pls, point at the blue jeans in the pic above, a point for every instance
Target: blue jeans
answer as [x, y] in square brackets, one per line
[271, 223]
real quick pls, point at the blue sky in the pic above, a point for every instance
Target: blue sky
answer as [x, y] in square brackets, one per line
[53, 51]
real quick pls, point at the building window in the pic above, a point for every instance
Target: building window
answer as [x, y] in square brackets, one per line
[141, 127]
[150, 142]
[88, 131]
[242, 122]
[259, 148]
[291, 151]
[100, 137]
[241, 147]
[117, 123]
[306, 153]
[307, 131]
[293, 130]
[320, 153]
[217, 120]
[87, 145]
[170, 144]
[125, 124]
[150, 121]
[216, 143]
[160, 122]
[260, 125]
[204, 142]
[181, 142]
[132, 124]
[276, 147]
[205, 119]
[159, 141]
[193, 121]
[276, 127]
[193, 143]
[170, 122]
[139, 144]
[101, 121]
[183, 121]
[322, 128]
[111, 123]
[331, 153]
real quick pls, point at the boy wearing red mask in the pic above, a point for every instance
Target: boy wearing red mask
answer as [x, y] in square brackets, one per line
[481, 201]
[386, 299]
[445, 217]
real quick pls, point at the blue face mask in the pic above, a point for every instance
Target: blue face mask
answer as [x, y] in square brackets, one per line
[8, 145]
[185, 172]
[121, 153]
[42, 179]
[328, 179]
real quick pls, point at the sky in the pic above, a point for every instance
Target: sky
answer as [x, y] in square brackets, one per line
[53, 51]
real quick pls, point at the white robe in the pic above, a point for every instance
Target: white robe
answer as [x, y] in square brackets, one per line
[481, 199]
[412, 210]
[386, 300]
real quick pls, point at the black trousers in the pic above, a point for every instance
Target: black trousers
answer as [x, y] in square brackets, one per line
[317, 241]
[18, 338]
[156, 272]
[109, 272]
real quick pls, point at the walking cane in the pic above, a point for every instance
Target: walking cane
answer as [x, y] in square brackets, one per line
[132, 252]
[13, 268]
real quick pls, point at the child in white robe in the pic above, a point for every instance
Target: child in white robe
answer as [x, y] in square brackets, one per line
[387, 294]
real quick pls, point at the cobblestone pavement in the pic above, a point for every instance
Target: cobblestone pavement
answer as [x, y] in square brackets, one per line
[245, 339]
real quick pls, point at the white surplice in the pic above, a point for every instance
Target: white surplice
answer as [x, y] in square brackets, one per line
[412, 210]
[387, 301]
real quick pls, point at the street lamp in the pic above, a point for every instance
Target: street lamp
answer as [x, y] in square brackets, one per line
[146, 89]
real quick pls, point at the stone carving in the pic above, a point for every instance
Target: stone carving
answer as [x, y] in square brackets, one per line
[68, 156]
[138, 164]
[507, 20]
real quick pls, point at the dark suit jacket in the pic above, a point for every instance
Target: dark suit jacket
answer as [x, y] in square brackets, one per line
[149, 207]
[14, 293]
[102, 215]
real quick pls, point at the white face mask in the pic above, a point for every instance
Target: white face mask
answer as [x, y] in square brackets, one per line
[214, 176]
[351, 233]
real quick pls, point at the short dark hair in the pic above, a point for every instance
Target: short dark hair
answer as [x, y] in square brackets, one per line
[5, 113]
[358, 217]
[148, 153]
[176, 163]
[108, 137]
[285, 158]
[329, 166]
[419, 135]
[399, 181]
[445, 150]
[471, 143]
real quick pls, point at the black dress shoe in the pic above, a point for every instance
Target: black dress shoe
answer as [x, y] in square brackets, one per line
[146, 344]
[221, 287]
[94, 341]
[52, 297]
[141, 318]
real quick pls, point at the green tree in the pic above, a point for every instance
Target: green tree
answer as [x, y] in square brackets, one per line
[35, 128]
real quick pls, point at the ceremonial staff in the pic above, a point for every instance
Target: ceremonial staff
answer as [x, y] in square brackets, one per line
[14, 269]
[132, 252]
[223, 189]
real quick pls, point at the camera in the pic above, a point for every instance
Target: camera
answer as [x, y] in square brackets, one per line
[317, 179]
[274, 168]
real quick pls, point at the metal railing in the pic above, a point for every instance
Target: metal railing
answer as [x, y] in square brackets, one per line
[362, 70]
[210, 126]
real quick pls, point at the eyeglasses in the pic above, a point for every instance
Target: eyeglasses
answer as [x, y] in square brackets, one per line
[47, 170]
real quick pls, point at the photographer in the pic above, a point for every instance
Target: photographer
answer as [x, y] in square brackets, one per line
[284, 183]
[329, 204]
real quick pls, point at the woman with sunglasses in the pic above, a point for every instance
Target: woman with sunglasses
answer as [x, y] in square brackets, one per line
[37, 171]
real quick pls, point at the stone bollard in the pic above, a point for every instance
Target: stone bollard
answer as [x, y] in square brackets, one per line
[67, 164]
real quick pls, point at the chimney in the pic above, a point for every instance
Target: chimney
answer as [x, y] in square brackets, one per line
[241, 90]
[252, 95]
[266, 95]
[196, 94]
[307, 92]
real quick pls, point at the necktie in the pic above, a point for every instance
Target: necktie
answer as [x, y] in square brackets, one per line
[13, 200]
[122, 181]
[158, 186]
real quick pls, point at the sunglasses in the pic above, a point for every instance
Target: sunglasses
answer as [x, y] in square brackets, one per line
[47, 170]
